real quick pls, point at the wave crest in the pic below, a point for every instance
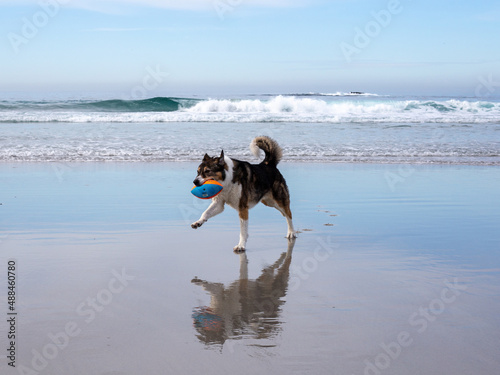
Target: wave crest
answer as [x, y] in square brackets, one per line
[274, 109]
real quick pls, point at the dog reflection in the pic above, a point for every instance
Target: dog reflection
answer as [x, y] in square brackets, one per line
[248, 308]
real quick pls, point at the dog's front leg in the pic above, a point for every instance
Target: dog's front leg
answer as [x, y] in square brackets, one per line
[243, 230]
[215, 208]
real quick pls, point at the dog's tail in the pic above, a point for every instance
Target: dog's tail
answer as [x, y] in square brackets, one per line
[270, 147]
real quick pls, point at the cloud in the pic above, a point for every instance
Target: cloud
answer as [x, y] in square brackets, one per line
[195, 5]
[134, 29]
[209, 4]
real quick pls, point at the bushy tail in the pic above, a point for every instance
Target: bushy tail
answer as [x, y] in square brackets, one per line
[270, 147]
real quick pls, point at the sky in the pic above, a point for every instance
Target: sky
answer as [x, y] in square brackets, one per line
[217, 47]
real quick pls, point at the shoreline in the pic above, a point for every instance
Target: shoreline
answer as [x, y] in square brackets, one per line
[283, 161]
[374, 143]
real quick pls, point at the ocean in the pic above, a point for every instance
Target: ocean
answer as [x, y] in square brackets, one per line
[311, 127]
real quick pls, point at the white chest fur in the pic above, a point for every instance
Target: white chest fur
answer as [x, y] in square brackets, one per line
[231, 193]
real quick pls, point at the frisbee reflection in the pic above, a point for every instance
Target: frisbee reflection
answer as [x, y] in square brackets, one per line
[246, 308]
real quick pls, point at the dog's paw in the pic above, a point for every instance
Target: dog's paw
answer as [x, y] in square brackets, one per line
[197, 224]
[239, 249]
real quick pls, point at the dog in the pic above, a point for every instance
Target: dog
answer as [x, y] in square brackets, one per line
[245, 185]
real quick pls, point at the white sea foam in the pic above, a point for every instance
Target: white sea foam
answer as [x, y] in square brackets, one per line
[283, 108]
[278, 109]
[308, 128]
[388, 143]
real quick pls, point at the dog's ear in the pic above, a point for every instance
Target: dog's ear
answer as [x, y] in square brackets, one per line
[221, 159]
[206, 157]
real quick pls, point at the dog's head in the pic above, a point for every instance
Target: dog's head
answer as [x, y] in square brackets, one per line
[211, 169]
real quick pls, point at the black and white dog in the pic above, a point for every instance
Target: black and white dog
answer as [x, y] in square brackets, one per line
[245, 185]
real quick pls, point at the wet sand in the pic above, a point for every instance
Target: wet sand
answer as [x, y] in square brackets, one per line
[396, 270]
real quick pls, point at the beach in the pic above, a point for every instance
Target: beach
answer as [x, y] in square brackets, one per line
[383, 119]
[395, 270]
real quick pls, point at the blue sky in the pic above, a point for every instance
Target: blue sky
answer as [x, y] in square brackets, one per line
[213, 47]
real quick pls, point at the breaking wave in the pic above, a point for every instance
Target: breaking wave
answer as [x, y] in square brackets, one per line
[300, 108]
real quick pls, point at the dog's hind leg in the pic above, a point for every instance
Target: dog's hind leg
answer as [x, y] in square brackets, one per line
[287, 213]
[283, 206]
[243, 230]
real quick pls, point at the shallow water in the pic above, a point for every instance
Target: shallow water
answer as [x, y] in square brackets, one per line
[371, 142]
[396, 271]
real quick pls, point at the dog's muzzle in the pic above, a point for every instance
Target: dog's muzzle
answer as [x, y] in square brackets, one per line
[198, 181]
